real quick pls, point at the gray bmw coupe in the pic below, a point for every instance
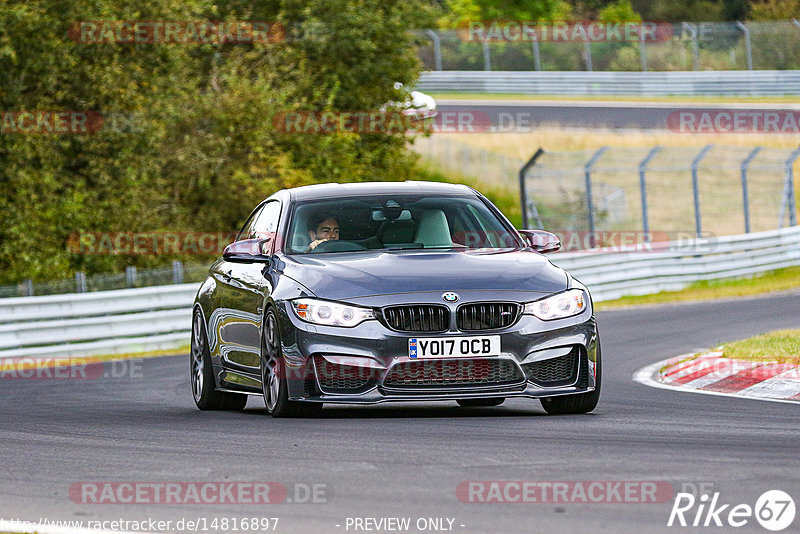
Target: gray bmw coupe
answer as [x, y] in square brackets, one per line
[375, 292]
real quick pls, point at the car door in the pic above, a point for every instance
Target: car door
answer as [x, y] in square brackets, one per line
[243, 288]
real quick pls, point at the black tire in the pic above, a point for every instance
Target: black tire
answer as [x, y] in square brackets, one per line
[471, 403]
[274, 385]
[576, 404]
[201, 373]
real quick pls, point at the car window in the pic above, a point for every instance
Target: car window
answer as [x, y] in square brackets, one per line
[391, 222]
[248, 225]
[266, 224]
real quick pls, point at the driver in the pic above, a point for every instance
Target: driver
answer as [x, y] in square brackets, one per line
[322, 227]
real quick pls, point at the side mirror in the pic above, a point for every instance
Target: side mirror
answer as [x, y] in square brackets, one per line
[541, 241]
[248, 250]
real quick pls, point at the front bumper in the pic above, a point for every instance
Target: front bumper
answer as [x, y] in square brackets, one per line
[369, 364]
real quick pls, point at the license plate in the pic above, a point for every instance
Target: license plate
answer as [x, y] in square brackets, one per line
[453, 347]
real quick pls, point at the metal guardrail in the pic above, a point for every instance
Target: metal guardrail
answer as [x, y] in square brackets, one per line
[507, 45]
[103, 322]
[691, 83]
[159, 318]
[671, 266]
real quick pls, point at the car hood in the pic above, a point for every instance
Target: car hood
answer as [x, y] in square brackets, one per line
[340, 276]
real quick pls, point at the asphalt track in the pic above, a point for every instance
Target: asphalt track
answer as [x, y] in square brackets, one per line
[407, 460]
[512, 115]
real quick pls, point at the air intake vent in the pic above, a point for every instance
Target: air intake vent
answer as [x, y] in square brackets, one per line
[559, 371]
[487, 315]
[335, 378]
[417, 318]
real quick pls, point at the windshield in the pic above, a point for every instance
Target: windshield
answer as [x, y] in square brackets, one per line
[396, 222]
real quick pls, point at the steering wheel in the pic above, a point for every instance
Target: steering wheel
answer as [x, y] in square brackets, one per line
[338, 246]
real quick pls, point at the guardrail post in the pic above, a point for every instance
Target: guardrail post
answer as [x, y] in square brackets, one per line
[696, 188]
[788, 191]
[487, 61]
[745, 194]
[746, 44]
[177, 272]
[643, 189]
[692, 29]
[587, 172]
[80, 282]
[27, 287]
[587, 52]
[130, 275]
[437, 48]
[523, 191]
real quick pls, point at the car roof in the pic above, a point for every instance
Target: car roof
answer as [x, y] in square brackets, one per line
[336, 190]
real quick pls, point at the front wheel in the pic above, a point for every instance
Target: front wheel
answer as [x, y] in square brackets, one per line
[274, 385]
[206, 397]
[575, 404]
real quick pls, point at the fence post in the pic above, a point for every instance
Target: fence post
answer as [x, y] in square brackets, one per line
[643, 190]
[130, 275]
[695, 50]
[788, 191]
[80, 282]
[27, 287]
[642, 51]
[587, 52]
[696, 188]
[746, 44]
[487, 62]
[177, 272]
[745, 194]
[523, 190]
[587, 170]
[437, 48]
[537, 60]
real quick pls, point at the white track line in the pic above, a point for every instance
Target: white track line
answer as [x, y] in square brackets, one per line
[645, 376]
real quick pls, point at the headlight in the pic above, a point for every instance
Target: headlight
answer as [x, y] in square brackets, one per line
[566, 304]
[330, 313]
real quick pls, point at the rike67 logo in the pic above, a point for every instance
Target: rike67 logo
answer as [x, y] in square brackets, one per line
[774, 510]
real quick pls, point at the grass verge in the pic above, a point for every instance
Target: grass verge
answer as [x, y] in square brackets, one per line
[26, 363]
[778, 280]
[782, 346]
